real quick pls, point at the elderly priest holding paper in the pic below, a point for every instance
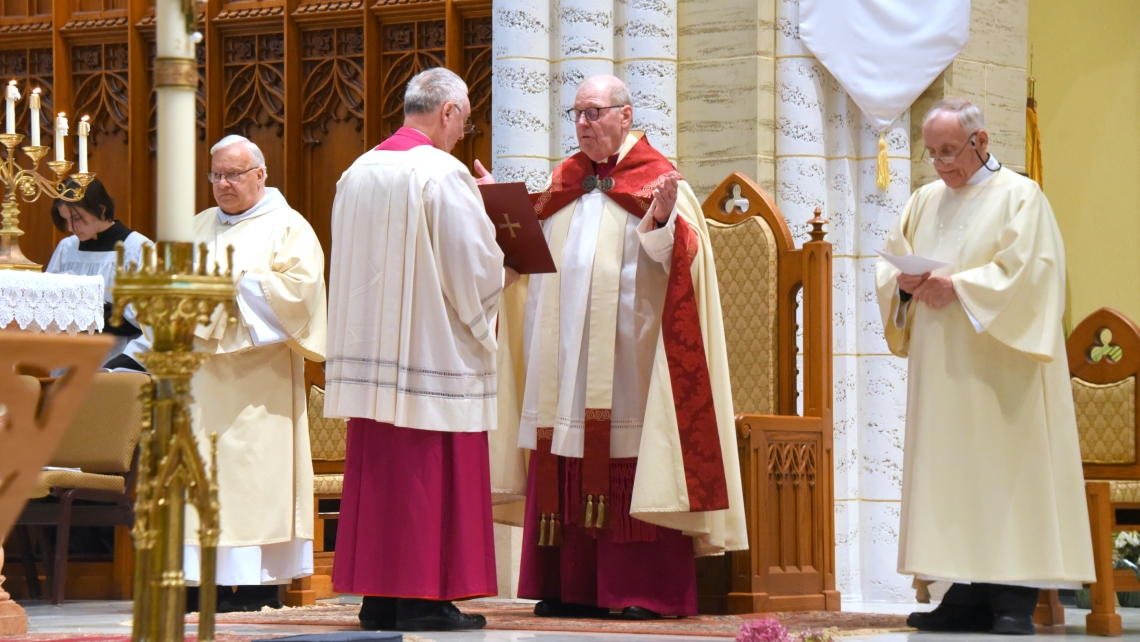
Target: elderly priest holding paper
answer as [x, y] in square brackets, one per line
[622, 382]
[993, 494]
[415, 285]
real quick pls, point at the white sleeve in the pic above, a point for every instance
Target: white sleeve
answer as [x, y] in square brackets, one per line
[264, 328]
[658, 242]
[977, 326]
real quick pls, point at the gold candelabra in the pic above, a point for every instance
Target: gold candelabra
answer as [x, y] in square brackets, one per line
[172, 294]
[29, 185]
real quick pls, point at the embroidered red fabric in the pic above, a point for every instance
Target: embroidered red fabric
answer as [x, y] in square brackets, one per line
[689, 376]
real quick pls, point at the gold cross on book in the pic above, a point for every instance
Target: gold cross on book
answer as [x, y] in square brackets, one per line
[509, 225]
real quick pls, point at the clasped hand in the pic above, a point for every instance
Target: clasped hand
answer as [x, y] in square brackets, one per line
[935, 291]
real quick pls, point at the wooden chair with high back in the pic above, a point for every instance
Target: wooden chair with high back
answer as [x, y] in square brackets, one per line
[327, 438]
[785, 458]
[100, 448]
[1104, 361]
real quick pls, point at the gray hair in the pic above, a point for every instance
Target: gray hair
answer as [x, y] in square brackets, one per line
[969, 115]
[619, 91]
[430, 89]
[250, 146]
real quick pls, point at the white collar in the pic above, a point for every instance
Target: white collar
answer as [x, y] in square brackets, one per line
[272, 200]
[984, 174]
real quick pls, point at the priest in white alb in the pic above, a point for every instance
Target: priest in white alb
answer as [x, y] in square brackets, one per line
[251, 391]
[415, 286]
[993, 493]
[621, 389]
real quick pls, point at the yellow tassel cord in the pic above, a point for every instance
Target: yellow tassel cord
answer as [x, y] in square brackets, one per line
[1033, 139]
[542, 530]
[883, 175]
[589, 511]
[554, 535]
[601, 523]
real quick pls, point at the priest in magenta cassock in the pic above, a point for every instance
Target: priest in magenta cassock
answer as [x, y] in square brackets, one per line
[993, 495]
[251, 391]
[415, 285]
[621, 389]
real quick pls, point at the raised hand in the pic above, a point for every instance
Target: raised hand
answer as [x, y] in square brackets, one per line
[485, 177]
[664, 199]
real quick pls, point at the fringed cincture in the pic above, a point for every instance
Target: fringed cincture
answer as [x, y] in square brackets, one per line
[549, 530]
[601, 523]
[883, 175]
[589, 511]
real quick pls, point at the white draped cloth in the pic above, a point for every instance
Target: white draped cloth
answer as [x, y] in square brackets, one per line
[52, 303]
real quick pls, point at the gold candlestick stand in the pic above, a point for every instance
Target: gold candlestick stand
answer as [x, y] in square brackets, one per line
[171, 297]
[29, 184]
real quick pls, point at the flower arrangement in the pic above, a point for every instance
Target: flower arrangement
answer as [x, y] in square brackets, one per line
[1126, 546]
[770, 630]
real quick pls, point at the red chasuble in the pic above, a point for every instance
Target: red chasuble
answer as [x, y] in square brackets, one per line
[630, 183]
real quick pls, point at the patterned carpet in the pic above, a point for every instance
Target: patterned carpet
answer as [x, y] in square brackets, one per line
[520, 617]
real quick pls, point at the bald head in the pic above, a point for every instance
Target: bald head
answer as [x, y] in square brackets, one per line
[607, 100]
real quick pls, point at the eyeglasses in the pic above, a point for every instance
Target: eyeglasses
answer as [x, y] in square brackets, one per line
[468, 128]
[946, 160]
[231, 177]
[592, 113]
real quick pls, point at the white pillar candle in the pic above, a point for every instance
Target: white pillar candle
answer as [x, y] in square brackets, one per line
[60, 136]
[176, 128]
[84, 130]
[34, 115]
[11, 95]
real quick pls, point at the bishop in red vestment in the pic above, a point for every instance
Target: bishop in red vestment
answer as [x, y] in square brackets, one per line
[623, 374]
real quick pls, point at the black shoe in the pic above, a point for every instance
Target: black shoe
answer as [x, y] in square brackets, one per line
[954, 618]
[554, 608]
[377, 613]
[1014, 624]
[432, 615]
[248, 598]
[639, 613]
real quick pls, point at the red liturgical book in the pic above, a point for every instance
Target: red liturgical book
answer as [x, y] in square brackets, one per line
[517, 229]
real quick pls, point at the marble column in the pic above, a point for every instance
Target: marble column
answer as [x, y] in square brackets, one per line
[544, 50]
[825, 156]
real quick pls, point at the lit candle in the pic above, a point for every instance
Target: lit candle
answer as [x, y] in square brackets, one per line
[84, 130]
[11, 96]
[34, 115]
[60, 134]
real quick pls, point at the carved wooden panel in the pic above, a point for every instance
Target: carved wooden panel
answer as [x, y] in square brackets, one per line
[791, 492]
[32, 69]
[254, 103]
[407, 49]
[332, 66]
[477, 75]
[25, 8]
[100, 78]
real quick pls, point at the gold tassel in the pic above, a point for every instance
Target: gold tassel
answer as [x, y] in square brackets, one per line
[883, 175]
[555, 534]
[542, 530]
[601, 511]
[589, 511]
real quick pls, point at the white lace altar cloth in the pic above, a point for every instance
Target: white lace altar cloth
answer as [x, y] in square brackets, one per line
[51, 303]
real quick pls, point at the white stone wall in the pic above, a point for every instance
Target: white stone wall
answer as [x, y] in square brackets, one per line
[543, 49]
[826, 157]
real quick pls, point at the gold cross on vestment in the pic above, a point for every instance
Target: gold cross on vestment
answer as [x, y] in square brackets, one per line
[509, 225]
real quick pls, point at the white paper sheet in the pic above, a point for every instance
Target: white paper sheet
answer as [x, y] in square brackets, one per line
[912, 263]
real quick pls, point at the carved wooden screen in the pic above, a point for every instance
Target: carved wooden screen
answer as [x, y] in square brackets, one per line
[314, 83]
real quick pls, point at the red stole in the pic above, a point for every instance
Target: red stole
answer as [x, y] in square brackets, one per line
[630, 184]
[404, 139]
